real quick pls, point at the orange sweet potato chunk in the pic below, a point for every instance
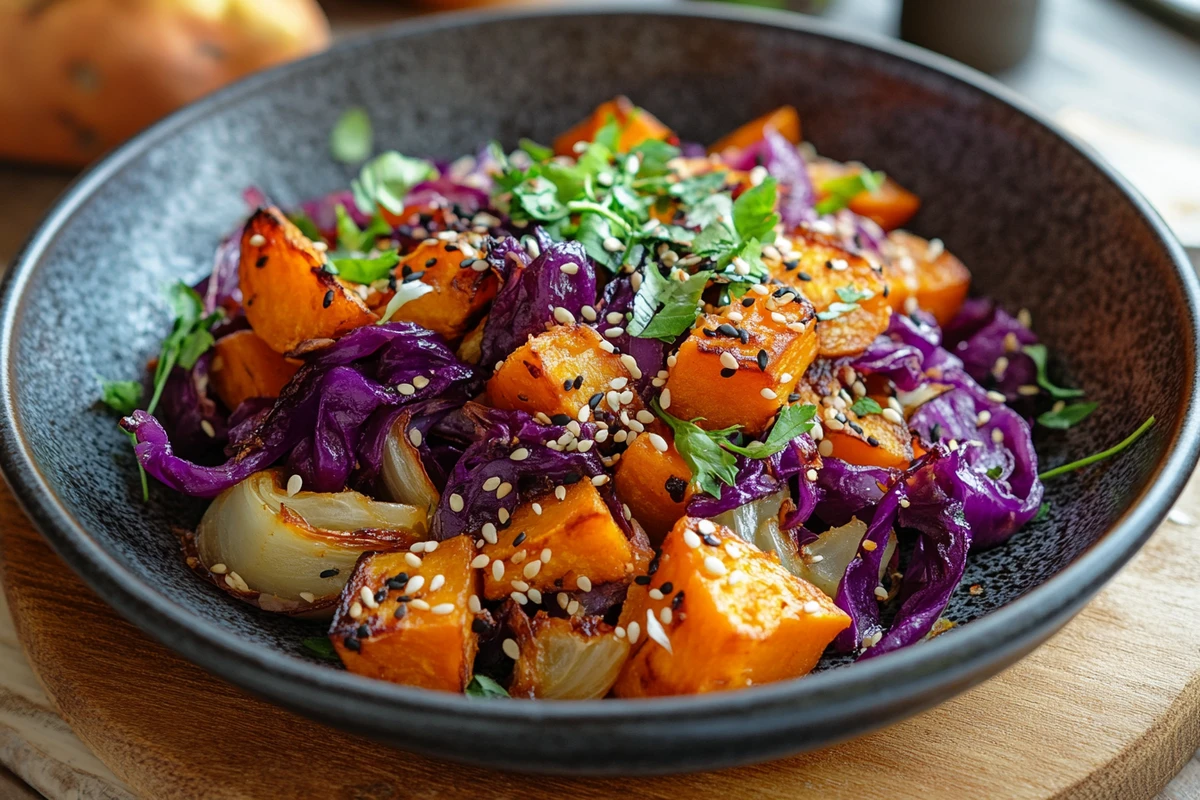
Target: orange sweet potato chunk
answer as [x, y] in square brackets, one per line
[737, 618]
[637, 125]
[583, 538]
[784, 120]
[655, 486]
[819, 269]
[558, 372]
[460, 294]
[868, 439]
[244, 366]
[890, 206]
[931, 274]
[780, 342]
[430, 643]
[287, 296]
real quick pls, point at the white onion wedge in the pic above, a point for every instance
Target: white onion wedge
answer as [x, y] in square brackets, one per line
[578, 658]
[824, 562]
[403, 472]
[758, 524]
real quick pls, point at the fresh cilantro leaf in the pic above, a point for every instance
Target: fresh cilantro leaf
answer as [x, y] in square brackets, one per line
[405, 293]
[306, 225]
[194, 345]
[703, 453]
[655, 155]
[754, 214]
[538, 152]
[352, 240]
[538, 199]
[693, 190]
[609, 133]
[1103, 454]
[852, 294]
[1066, 416]
[189, 338]
[751, 253]
[592, 231]
[836, 310]
[793, 421]
[1042, 512]
[1039, 354]
[121, 396]
[713, 209]
[841, 191]
[674, 234]
[865, 405]
[386, 179]
[321, 647]
[715, 240]
[995, 472]
[678, 300]
[483, 686]
[351, 139]
[366, 270]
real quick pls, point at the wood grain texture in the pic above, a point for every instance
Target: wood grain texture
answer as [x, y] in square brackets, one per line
[1109, 709]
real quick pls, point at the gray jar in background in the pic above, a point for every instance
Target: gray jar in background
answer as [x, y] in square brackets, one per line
[990, 35]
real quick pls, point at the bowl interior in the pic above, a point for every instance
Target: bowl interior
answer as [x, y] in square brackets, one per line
[1038, 224]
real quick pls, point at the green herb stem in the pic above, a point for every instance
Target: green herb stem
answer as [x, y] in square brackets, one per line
[1103, 454]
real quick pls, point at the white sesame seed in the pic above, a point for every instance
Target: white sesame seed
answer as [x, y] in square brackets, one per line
[983, 418]
[431, 545]
[367, 597]
[671, 359]
[584, 583]
[759, 289]
[881, 593]
[406, 389]
[208, 429]
[996, 397]
[655, 594]
[999, 368]
[535, 596]
[825, 448]
[1025, 318]
[537, 508]
[518, 557]
[768, 393]
[503, 515]
[532, 568]
[545, 555]
[414, 436]
[560, 492]
[520, 454]
[563, 599]
[569, 268]
[585, 445]
[420, 381]
[690, 538]
[997, 436]
[480, 561]
[613, 245]
[308, 597]
[563, 316]
[294, 484]
[1028, 390]
[415, 584]
[613, 333]
[488, 532]
[839, 264]
[438, 581]
[519, 585]
[417, 547]
[519, 597]
[412, 560]
[664, 399]
[257, 240]
[714, 566]
[811, 475]
[356, 610]
[498, 569]
[659, 443]
[706, 526]
[905, 502]
[619, 632]
[778, 318]
[627, 398]
[601, 436]
[665, 614]
[812, 607]
[728, 360]
[588, 313]
[910, 305]
[635, 426]
[631, 364]
[218, 569]
[634, 631]
[504, 490]
[442, 609]
[607, 346]
[891, 415]
[599, 480]
[509, 646]
[573, 607]
[474, 605]
[585, 413]
[456, 502]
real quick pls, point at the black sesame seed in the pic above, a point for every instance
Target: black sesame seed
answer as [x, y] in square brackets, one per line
[711, 540]
[578, 381]
[791, 265]
[571, 478]
[708, 333]
[871, 440]
[416, 276]
[793, 397]
[744, 335]
[351, 643]
[560, 419]
[725, 329]
[392, 283]
[747, 301]
[762, 360]
[726, 372]
[567, 385]
[666, 588]
[362, 632]
[886, 290]
[520, 537]
[328, 301]
[261, 262]
[653, 567]
[642, 580]
[329, 573]
[381, 595]
[404, 598]
[466, 262]
[677, 600]
[804, 276]
[430, 262]
[829, 265]
[676, 488]
[935, 433]
[452, 248]
[480, 625]
[401, 610]
[397, 584]
[781, 291]
[595, 399]
[406, 270]
[856, 428]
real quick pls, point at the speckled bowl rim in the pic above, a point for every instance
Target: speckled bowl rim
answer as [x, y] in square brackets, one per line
[914, 678]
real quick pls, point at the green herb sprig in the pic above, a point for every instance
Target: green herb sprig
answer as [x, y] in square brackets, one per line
[1103, 454]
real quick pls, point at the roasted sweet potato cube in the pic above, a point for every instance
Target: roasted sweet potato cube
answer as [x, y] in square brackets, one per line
[584, 541]
[730, 616]
[558, 372]
[244, 366]
[287, 296]
[927, 273]
[460, 293]
[889, 206]
[828, 274]
[655, 485]
[738, 366]
[390, 628]
[784, 120]
[869, 439]
[637, 125]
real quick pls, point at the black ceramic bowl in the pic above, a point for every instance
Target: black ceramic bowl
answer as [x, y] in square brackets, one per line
[1042, 224]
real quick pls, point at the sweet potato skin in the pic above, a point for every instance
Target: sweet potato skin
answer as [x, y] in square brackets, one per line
[747, 622]
[460, 294]
[288, 298]
[656, 486]
[818, 268]
[785, 120]
[583, 538]
[244, 366]
[933, 276]
[542, 373]
[703, 386]
[637, 125]
[890, 206]
[422, 647]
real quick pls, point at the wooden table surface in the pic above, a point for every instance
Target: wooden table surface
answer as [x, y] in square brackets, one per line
[1096, 55]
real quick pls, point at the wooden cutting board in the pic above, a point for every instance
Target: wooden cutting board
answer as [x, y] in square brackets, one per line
[1109, 708]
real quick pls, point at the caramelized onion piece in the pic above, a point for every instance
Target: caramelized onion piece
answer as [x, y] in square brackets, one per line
[403, 472]
[824, 562]
[758, 523]
[574, 658]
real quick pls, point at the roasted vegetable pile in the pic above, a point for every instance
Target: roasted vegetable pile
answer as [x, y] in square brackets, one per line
[616, 417]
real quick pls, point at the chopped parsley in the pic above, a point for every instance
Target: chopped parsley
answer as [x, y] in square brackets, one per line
[321, 647]
[386, 179]
[121, 396]
[836, 310]
[865, 405]
[483, 686]
[793, 421]
[840, 192]
[703, 452]
[351, 139]
[1067, 416]
[1038, 353]
[664, 307]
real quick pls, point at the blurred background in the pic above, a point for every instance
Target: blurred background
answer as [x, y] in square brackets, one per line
[77, 77]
